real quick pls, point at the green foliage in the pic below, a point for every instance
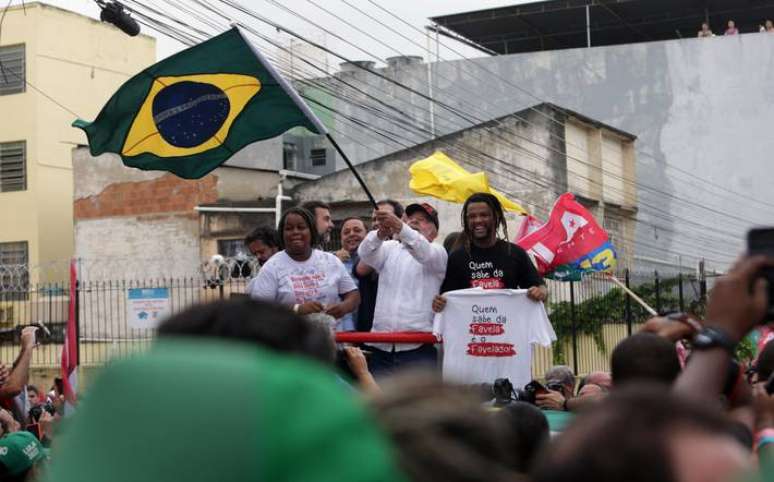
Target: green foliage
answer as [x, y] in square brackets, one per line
[607, 308]
[745, 350]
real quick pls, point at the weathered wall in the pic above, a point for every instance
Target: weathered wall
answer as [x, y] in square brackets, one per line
[139, 247]
[167, 193]
[698, 106]
[518, 147]
[389, 176]
[133, 224]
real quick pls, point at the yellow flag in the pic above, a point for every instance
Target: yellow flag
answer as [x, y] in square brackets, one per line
[441, 177]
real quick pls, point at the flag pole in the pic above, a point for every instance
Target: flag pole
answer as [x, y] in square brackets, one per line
[352, 168]
[632, 294]
[319, 126]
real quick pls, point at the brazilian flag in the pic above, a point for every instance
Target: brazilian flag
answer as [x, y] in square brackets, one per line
[192, 111]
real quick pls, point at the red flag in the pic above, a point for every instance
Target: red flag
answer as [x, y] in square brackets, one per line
[570, 243]
[70, 349]
[529, 224]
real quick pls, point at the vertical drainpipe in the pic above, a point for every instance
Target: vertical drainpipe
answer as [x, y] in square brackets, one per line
[588, 25]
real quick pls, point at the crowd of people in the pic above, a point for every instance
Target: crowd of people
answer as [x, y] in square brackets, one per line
[731, 29]
[29, 416]
[256, 387]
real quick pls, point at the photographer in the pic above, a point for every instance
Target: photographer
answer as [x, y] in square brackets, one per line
[41, 421]
[560, 382]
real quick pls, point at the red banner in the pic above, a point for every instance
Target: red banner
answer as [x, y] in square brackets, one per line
[486, 329]
[70, 348]
[491, 349]
[569, 236]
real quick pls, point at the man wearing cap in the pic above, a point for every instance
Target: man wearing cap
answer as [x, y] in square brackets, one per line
[20, 454]
[411, 269]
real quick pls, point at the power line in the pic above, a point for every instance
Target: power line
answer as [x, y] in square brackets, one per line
[692, 175]
[279, 27]
[659, 227]
[550, 118]
[662, 250]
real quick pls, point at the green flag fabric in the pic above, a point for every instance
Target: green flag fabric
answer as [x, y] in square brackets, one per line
[192, 111]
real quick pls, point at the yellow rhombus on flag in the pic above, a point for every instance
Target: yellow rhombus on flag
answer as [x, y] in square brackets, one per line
[441, 177]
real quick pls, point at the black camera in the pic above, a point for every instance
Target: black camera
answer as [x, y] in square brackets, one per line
[37, 411]
[554, 386]
[502, 389]
[504, 393]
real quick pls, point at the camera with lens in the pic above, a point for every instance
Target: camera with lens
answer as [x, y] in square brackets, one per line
[37, 411]
[504, 392]
[554, 386]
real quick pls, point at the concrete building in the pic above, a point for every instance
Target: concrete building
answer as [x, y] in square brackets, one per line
[140, 225]
[509, 149]
[57, 65]
[700, 108]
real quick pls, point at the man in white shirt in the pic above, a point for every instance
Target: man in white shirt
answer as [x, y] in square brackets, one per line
[411, 269]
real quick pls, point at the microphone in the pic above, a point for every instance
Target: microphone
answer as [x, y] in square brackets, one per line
[113, 12]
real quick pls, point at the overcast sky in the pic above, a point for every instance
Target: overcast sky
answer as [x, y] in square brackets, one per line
[415, 12]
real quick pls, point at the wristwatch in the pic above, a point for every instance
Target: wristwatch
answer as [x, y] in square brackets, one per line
[709, 337]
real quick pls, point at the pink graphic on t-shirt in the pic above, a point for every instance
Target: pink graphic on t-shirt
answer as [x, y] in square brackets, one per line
[487, 329]
[491, 349]
[307, 287]
[488, 283]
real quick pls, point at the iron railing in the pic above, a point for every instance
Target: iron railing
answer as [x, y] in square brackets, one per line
[589, 316]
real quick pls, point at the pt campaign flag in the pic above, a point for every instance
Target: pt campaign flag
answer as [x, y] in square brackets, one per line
[570, 243]
[70, 348]
[191, 112]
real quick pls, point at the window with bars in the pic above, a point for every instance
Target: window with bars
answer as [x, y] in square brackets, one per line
[319, 157]
[289, 154]
[231, 248]
[13, 70]
[236, 249]
[13, 166]
[14, 270]
[13, 253]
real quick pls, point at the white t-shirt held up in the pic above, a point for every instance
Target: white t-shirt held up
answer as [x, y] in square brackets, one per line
[488, 334]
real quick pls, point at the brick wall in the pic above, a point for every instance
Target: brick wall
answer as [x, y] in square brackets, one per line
[165, 194]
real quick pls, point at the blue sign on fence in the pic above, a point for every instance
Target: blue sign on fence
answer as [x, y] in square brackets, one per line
[146, 307]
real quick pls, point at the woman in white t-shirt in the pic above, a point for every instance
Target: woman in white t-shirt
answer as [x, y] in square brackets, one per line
[304, 278]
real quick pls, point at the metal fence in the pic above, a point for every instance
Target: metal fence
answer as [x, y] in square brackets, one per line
[589, 316]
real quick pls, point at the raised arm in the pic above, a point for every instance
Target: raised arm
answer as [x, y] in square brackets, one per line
[20, 373]
[372, 251]
[733, 310]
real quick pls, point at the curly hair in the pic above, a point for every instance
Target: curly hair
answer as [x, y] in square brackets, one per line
[265, 234]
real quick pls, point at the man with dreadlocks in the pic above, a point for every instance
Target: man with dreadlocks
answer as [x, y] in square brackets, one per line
[486, 261]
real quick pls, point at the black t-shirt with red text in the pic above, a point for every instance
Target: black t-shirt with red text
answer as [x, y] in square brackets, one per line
[504, 265]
